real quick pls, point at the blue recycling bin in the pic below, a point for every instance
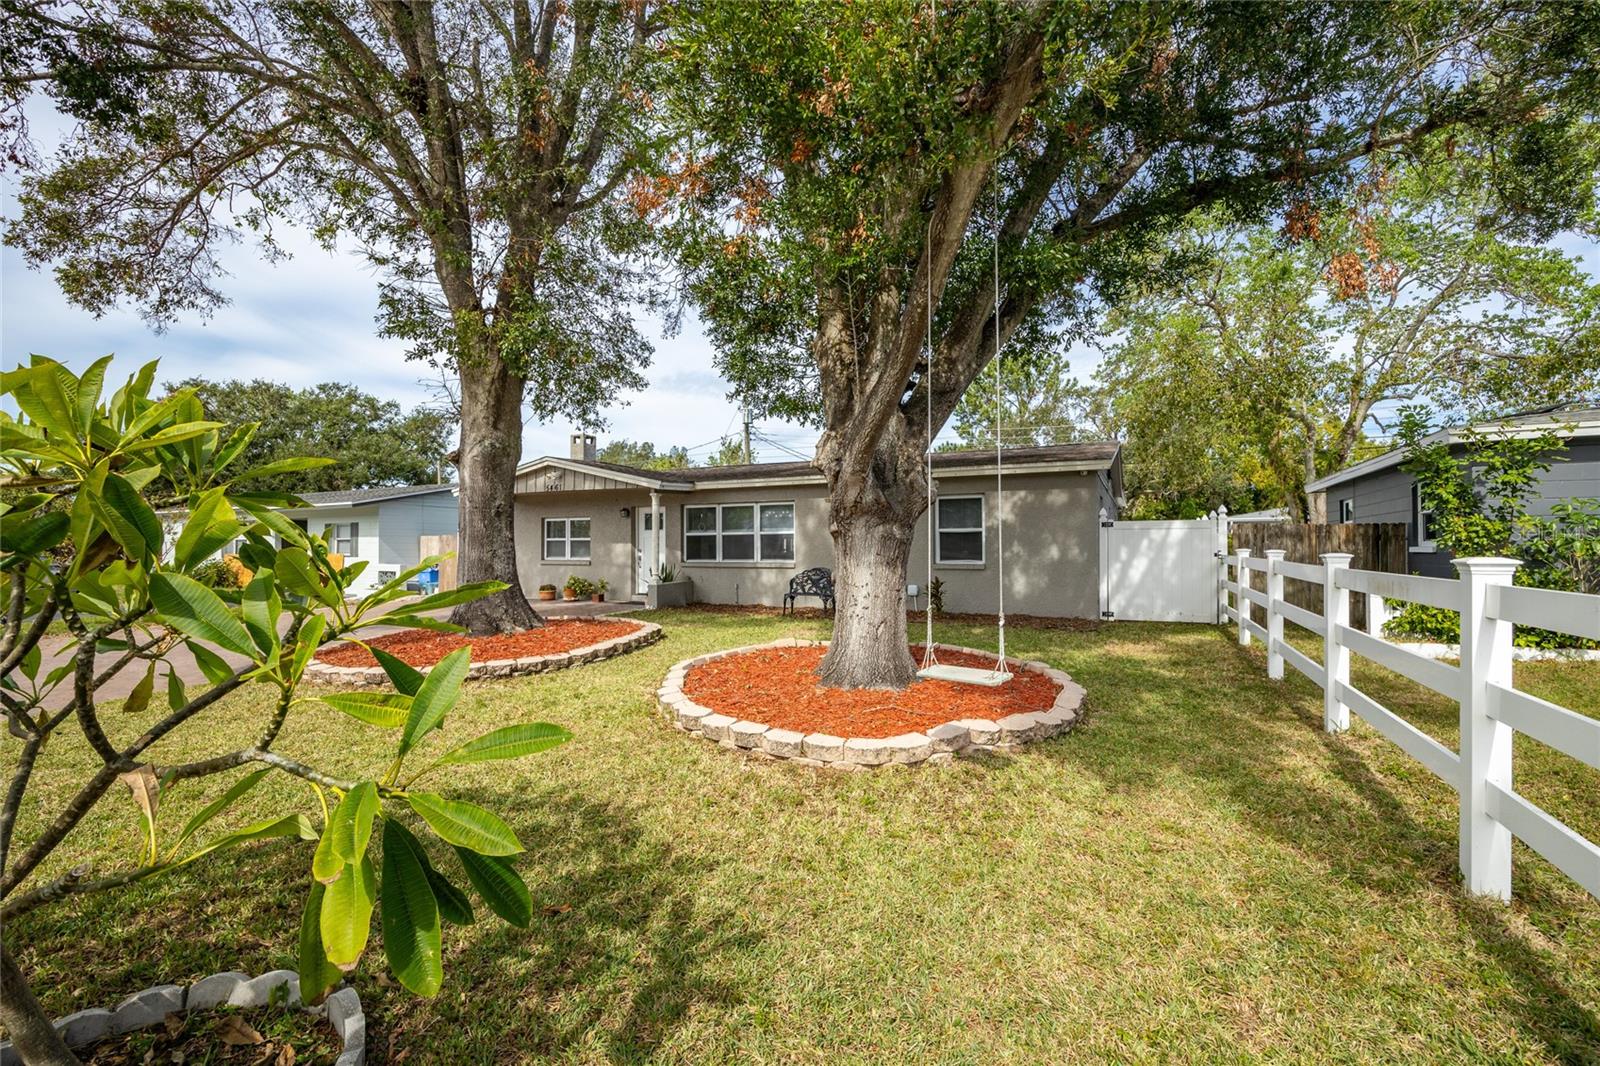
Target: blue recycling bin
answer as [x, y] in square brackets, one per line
[430, 581]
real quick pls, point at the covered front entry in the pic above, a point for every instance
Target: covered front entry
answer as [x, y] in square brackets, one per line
[650, 528]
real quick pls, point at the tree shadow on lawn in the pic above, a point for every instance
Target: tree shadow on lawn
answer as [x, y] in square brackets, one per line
[615, 958]
[1245, 733]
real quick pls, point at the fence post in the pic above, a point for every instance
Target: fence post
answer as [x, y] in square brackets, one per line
[1485, 743]
[1377, 614]
[1105, 563]
[1241, 599]
[1335, 656]
[1219, 521]
[1274, 616]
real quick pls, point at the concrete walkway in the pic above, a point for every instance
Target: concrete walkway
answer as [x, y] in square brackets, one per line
[55, 652]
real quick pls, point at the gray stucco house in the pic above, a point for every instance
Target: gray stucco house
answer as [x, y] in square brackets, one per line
[1377, 490]
[741, 532]
[384, 525]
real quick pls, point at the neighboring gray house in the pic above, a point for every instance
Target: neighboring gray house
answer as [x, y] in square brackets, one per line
[741, 532]
[1377, 490]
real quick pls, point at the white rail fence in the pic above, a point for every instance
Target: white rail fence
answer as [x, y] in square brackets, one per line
[1492, 709]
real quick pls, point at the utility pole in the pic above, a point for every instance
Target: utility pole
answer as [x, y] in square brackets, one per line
[747, 434]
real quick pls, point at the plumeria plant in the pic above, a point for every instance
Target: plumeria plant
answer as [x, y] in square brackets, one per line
[81, 543]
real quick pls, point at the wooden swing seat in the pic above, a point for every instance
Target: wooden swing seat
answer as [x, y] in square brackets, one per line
[965, 675]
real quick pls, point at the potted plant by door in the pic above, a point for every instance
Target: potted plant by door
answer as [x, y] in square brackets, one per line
[576, 588]
[598, 591]
[547, 592]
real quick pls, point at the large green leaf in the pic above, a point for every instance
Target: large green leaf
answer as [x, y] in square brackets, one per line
[89, 387]
[411, 936]
[346, 920]
[299, 574]
[260, 608]
[214, 666]
[511, 742]
[465, 824]
[139, 697]
[349, 829]
[436, 695]
[289, 825]
[38, 534]
[306, 643]
[499, 886]
[317, 974]
[198, 612]
[218, 805]
[386, 710]
[401, 674]
[283, 466]
[172, 435]
[130, 519]
[417, 621]
[211, 525]
[460, 594]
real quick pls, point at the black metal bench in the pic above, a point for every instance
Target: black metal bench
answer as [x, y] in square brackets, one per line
[818, 582]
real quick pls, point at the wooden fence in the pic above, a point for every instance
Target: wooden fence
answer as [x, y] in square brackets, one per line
[442, 544]
[1492, 709]
[1377, 546]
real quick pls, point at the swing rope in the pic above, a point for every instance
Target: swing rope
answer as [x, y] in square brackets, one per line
[999, 472]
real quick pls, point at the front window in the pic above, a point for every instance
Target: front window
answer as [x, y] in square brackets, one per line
[739, 533]
[960, 529]
[1422, 522]
[343, 537]
[566, 538]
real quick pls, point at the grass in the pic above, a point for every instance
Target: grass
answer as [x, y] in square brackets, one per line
[1196, 873]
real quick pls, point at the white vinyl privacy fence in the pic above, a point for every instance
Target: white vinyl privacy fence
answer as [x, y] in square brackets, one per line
[1492, 709]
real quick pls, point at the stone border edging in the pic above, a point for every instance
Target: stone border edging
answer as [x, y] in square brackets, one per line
[940, 744]
[150, 1007]
[528, 664]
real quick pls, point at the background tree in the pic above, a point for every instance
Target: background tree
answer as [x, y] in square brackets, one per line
[852, 164]
[731, 453]
[470, 151]
[373, 442]
[1423, 291]
[644, 455]
[1039, 402]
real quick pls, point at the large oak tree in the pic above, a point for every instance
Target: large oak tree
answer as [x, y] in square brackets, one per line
[473, 151]
[847, 167]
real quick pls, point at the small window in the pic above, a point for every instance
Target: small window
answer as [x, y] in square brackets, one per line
[566, 538]
[960, 529]
[343, 538]
[1347, 510]
[1421, 522]
[739, 533]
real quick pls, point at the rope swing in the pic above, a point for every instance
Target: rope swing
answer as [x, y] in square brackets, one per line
[932, 668]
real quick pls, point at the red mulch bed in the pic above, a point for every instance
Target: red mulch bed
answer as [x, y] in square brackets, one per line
[424, 647]
[778, 687]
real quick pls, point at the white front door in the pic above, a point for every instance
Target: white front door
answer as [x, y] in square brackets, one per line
[647, 524]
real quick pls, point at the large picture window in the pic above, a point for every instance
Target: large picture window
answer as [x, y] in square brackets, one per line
[566, 538]
[739, 533]
[960, 529]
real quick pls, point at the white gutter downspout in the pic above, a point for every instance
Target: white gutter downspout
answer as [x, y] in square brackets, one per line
[653, 571]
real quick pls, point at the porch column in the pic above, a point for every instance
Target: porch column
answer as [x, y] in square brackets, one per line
[653, 571]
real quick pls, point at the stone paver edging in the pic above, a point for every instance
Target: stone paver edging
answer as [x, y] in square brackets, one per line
[938, 745]
[150, 1007]
[648, 634]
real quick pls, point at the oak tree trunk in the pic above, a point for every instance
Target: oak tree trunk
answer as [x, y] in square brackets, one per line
[27, 1025]
[491, 446]
[872, 526]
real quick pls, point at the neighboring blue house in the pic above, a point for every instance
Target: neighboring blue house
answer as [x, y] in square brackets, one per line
[1377, 490]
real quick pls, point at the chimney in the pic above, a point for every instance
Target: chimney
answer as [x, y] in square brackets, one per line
[583, 446]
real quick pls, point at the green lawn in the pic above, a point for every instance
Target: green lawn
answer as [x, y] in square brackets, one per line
[1195, 873]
